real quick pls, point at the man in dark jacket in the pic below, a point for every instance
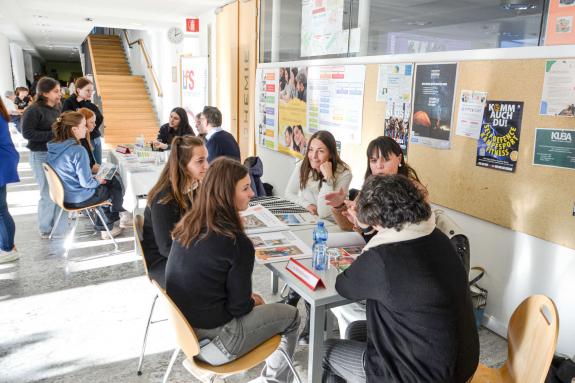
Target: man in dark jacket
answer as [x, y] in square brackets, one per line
[218, 141]
[420, 324]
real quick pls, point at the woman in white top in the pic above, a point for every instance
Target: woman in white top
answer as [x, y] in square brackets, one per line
[321, 172]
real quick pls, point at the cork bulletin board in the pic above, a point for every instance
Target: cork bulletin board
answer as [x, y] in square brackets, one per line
[535, 200]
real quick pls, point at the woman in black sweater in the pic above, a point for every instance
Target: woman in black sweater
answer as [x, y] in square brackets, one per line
[82, 98]
[37, 129]
[420, 323]
[177, 126]
[170, 198]
[209, 275]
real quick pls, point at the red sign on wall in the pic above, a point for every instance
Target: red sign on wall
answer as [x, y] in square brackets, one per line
[192, 25]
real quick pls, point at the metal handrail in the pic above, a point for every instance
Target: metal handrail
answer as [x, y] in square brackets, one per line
[142, 45]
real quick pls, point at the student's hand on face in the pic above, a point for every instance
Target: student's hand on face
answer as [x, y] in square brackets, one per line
[326, 170]
[312, 209]
[335, 199]
[95, 168]
[258, 300]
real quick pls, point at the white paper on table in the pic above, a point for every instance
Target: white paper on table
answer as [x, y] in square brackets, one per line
[279, 246]
[350, 238]
[258, 219]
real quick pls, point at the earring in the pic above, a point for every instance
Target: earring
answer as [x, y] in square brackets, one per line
[399, 165]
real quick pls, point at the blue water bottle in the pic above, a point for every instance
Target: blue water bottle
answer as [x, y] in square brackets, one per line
[319, 260]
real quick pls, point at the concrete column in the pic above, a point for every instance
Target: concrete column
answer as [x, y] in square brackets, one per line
[276, 22]
[363, 25]
[6, 82]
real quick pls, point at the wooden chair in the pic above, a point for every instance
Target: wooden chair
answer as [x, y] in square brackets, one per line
[138, 238]
[532, 337]
[188, 342]
[56, 190]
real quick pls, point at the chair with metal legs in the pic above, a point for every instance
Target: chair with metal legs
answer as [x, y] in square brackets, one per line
[56, 190]
[188, 343]
[138, 237]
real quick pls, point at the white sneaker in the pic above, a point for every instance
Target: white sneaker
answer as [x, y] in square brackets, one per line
[126, 219]
[116, 230]
[8, 256]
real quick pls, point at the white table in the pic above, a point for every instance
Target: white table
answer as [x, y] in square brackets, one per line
[136, 182]
[320, 300]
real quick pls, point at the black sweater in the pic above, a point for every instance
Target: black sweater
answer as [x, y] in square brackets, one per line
[72, 103]
[166, 135]
[159, 221]
[211, 280]
[419, 315]
[37, 126]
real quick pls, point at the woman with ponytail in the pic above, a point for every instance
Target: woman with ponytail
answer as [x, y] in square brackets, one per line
[37, 129]
[170, 198]
[72, 164]
[82, 98]
[86, 142]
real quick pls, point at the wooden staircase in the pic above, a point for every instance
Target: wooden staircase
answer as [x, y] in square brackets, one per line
[127, 108]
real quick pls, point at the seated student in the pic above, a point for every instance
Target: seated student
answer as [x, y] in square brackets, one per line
[170, 198]
[209, 274]
[218, 141]
[420, 323]
[319, 173]
[86, 142]
[177, 126]
[71, 162]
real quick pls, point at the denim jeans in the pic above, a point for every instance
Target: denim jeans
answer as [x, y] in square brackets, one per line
[97, 149]
[241, 335]
[47, 210]
[7, 227]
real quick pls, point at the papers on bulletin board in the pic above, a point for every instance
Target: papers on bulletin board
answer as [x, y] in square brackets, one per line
[335, 101]
[394, 84]
[267, 84]
[470, 115]
[560, 16]
[554, 148]
[433, 104]
[293, 131]
[279, 246]
[558, 98]
[498, 144]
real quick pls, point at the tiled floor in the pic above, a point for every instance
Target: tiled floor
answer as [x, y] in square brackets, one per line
[81, 319]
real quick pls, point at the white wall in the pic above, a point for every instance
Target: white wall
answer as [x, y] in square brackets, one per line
[207, 40]
[6, 82]
[517, 264]
[18, 66]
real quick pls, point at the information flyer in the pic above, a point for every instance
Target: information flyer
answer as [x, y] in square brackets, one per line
[335, 101]
[433, 104]
[292, 111]
[498, 144]
[560, 22]
[470, 115]
[558, 96]
[267, 84]
[555, 148]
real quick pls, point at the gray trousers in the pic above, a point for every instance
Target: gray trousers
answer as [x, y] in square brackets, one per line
[344, 360]
[241, 335]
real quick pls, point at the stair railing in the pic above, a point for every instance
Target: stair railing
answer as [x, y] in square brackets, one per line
[142, 45]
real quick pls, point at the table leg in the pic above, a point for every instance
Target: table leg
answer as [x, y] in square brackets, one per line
[316, 339]
[274, 282]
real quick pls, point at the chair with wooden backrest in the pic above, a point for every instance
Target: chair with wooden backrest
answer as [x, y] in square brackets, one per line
[138, 238]
[188, 342]
[56, 190]
[531, 337]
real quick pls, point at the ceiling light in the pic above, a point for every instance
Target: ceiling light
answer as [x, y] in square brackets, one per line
[89, 19]
[419, 23]
[518, 5]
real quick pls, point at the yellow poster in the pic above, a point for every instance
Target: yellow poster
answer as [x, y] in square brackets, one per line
[292, 118]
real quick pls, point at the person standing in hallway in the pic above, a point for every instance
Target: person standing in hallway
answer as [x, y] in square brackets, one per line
[218, 141]
[37, 129]
[8, 174]
[82, 98]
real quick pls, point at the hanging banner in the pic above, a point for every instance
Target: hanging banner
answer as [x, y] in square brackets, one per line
[267, 84]
[470, 115]
[555, 148]
[394, 84]
[558, 98]
[560, 23]
[433, 104]
[498, 144]
[335, 101]
[292, 111]
[193, 83]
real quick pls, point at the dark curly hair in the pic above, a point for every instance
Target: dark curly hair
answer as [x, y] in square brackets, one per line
[391, 202]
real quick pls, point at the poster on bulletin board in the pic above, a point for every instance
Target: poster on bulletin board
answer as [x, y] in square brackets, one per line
[433, 104]
[558, 96]
[193, 83]
[293, 131]
[560, 17]
[267, 83]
